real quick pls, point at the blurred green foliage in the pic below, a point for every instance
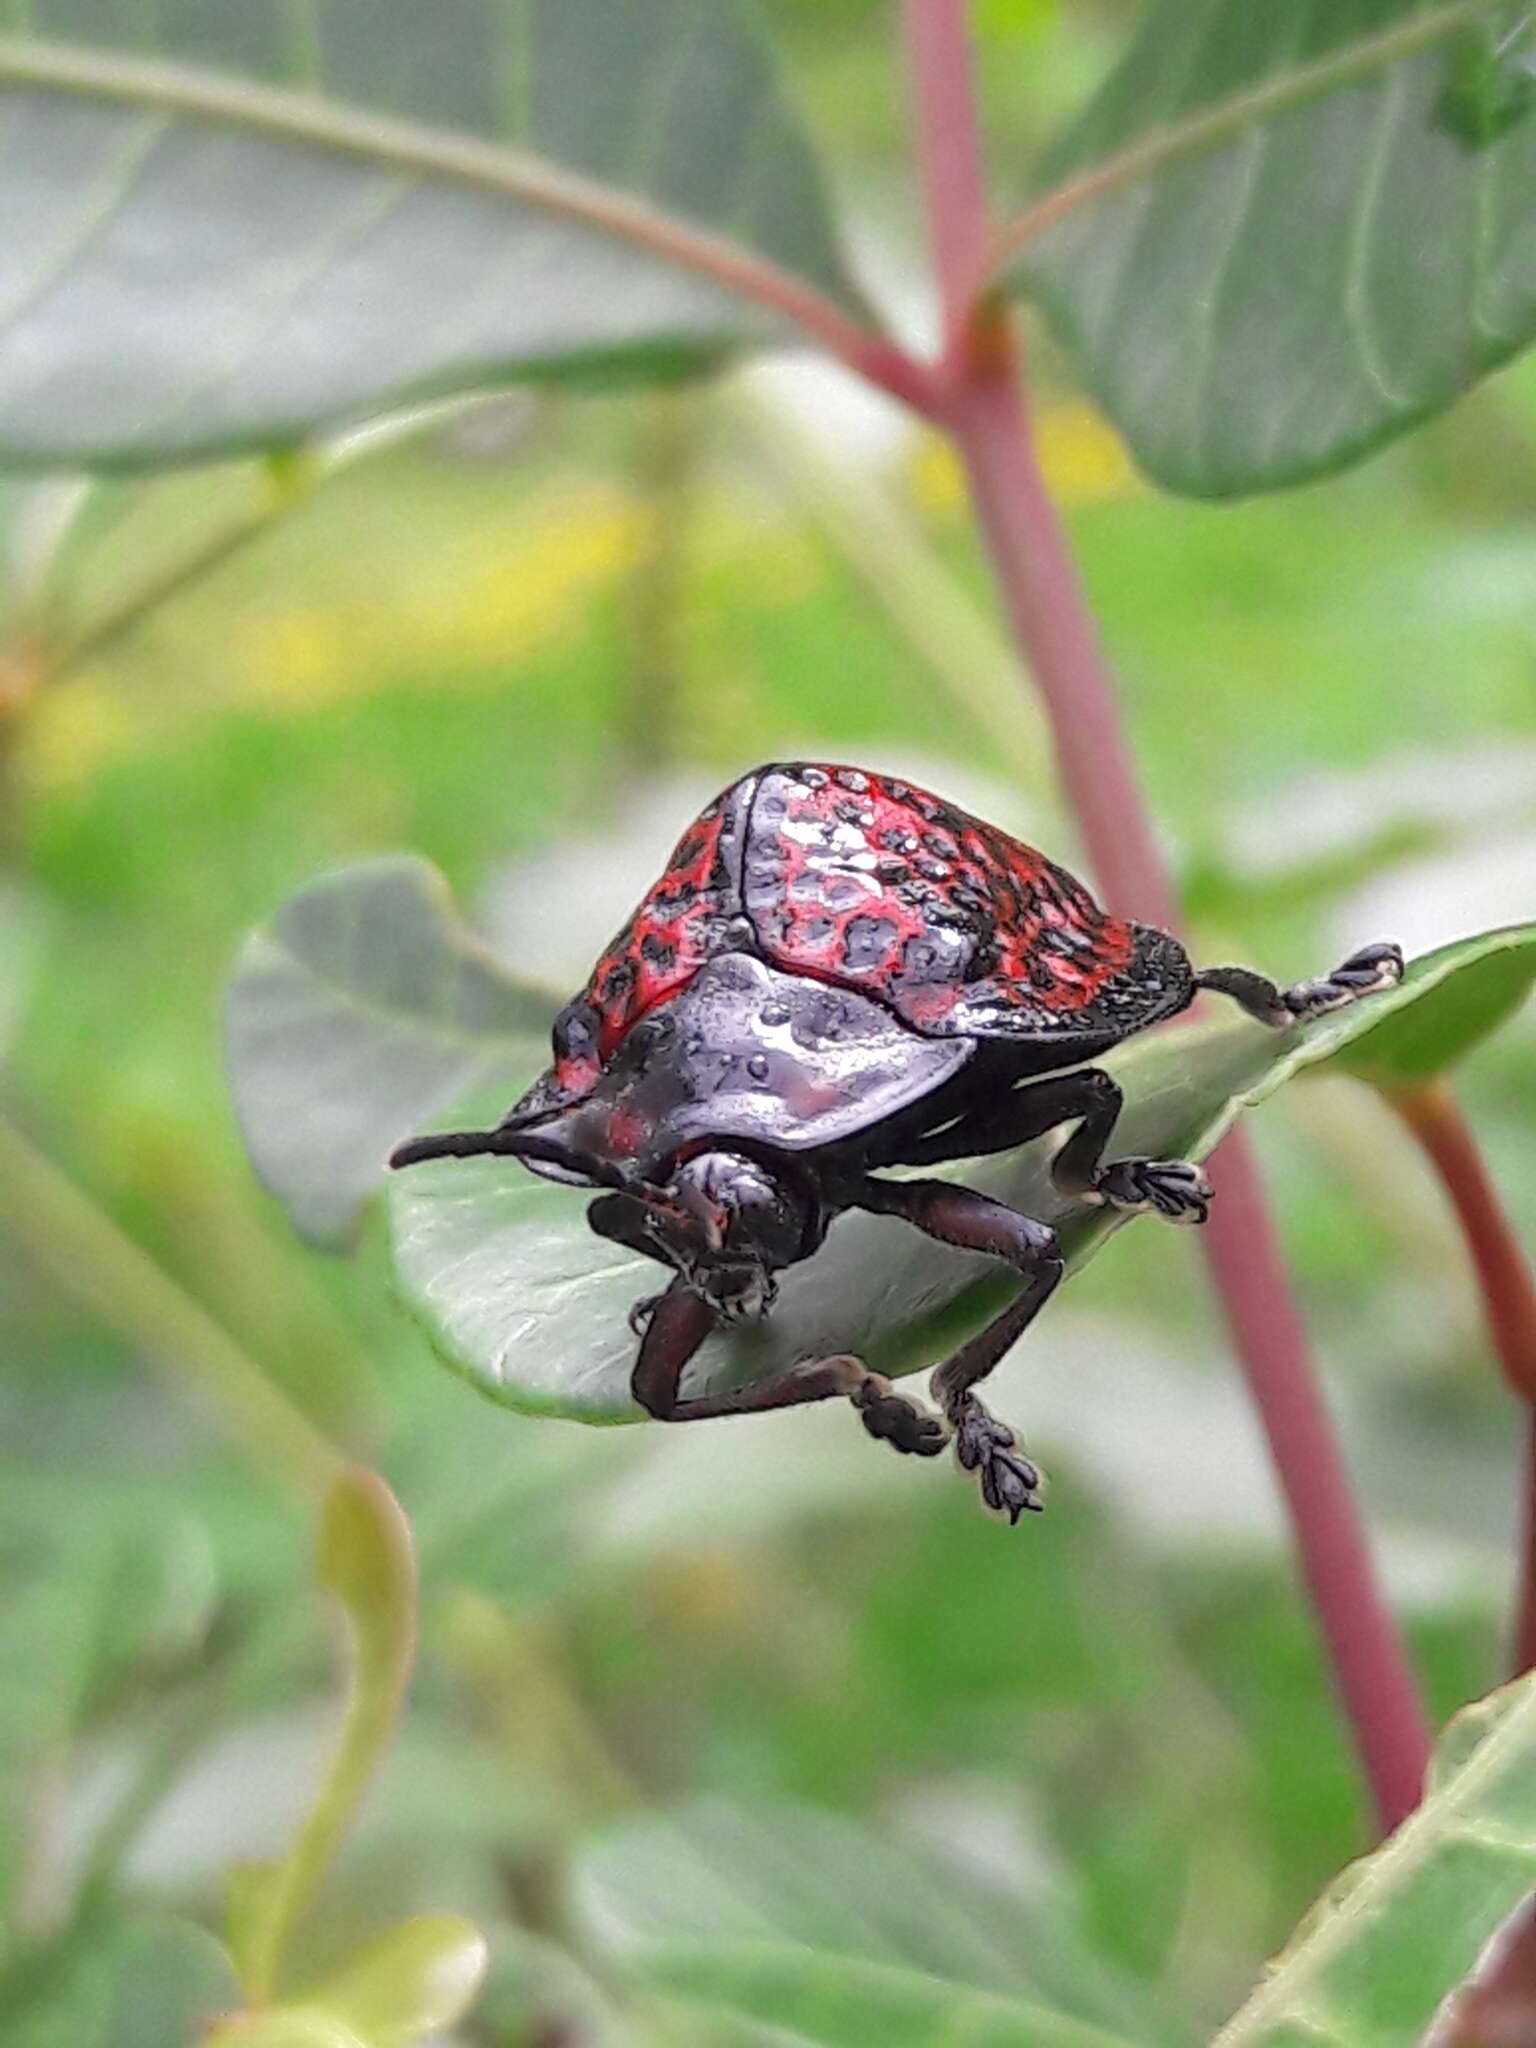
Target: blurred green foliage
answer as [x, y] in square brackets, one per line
[1109, 1731]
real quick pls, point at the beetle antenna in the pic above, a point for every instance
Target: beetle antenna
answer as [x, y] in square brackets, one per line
[474, 1144]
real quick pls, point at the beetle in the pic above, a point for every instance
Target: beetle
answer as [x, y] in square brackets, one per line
[838, 973]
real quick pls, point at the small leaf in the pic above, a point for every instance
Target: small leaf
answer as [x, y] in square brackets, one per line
[230, 226]
[419, 1978]
[364, 1558]
[365, 1006]
[1370, 1968]
[289, 2027]
[136, 1984]
[532, 1307]
[1231, 239]
[1416, 1042]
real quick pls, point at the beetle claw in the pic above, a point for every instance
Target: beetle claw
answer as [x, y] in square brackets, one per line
[641, 1313]
[1009, 1482]
[1174, 1188]
[897, 1419]
[1365, 973]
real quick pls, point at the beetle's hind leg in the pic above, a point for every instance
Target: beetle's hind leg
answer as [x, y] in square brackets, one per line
[959, 1216]
[1365, 973]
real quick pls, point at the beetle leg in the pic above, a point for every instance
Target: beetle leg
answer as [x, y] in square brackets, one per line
[959, 1216]
[1364, 973]
[1171, 1188]
[680, 1323]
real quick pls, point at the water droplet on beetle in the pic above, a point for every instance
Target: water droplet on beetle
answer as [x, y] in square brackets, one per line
[775, 1015]
[757, 1067]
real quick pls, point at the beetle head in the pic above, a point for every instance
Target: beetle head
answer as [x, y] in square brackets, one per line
[729, 1224]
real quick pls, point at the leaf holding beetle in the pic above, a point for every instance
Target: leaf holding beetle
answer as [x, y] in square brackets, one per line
[228, 227]
[1232, 238]
[518, 1294]
[366, 1006]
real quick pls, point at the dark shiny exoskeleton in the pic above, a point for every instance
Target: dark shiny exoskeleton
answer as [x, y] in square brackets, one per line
[838, 973]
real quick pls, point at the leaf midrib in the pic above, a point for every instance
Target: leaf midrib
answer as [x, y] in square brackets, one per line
[382, 139]
[1217, 124]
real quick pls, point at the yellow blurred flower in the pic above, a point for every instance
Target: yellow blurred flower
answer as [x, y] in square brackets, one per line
[522, 584]
[74, 729]
[1083, 458]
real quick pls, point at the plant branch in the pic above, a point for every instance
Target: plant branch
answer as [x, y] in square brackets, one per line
[1053, 626]
[417, 148]
[65, 1233]
[1508, 1291]
[1217, 124]
[950, 163]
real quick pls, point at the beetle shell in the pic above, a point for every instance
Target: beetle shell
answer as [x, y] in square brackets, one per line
[747, 1054]
[868, 883]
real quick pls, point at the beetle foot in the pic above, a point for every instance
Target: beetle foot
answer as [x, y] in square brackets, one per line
[1365, 973]
[640, 1315]
[1010, 1484]
[1172, 1188]
[897, 1419]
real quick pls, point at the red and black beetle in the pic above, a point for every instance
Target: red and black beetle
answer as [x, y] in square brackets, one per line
[837, 973]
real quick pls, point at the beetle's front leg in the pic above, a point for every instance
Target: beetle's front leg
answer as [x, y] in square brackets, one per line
[1365, 973]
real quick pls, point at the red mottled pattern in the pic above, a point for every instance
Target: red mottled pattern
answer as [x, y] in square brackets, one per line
[876, 885]
[675, 928]
[879, 885]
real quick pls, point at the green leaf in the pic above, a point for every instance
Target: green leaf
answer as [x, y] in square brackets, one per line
[841, 2002]
[519, 1295]
[420, 1978]
[227, 226]
[1279, 235]
[1413, 1044]
[290, 2027]
[136, 1984]
[1374, 1959]
[365, 1559]
[364, 1007]
[841, 1934]
[21, 934]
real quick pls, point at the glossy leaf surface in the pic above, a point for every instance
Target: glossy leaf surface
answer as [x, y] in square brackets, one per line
[417, 1979]
[227, 226]
[1280, 234]
[522, 1297]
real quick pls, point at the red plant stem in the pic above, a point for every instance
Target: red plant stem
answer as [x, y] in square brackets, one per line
[1039, 587]
[1509, 1297]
